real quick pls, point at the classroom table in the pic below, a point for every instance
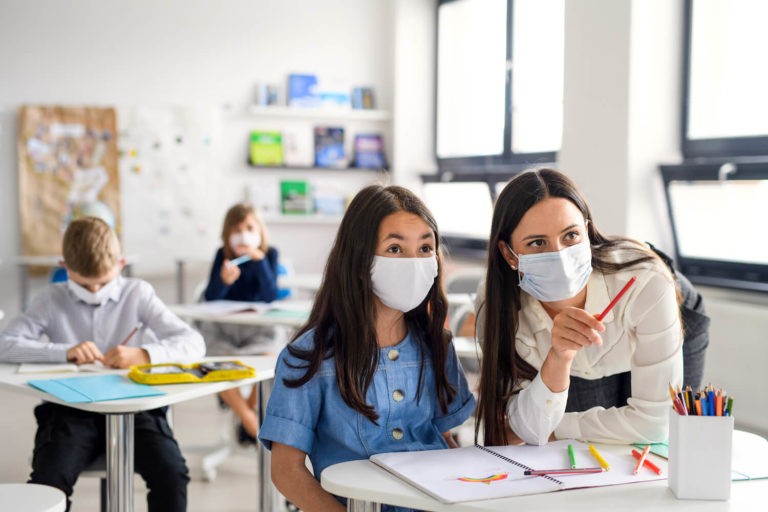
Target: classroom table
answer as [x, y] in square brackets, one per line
[32, 498]
[50, 261]
[298, 313]
[368, 485]
[119, 416]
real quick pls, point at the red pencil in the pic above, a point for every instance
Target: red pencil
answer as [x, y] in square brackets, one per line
[130, 334]
[647, 463]
[642, 459]
[616, 298]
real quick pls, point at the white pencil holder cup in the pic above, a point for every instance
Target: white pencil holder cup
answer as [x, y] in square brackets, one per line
[700, 456]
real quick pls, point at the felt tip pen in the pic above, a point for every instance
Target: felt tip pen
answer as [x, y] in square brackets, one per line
[239, 260]
[616, 298]
[571, 456]
[647, 463]
[130, 334]
[564, 471]
[596, 454]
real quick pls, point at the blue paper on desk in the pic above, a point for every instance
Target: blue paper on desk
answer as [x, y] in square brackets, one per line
[94, 389]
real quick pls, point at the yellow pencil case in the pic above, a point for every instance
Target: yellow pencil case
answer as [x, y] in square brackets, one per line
[173, 373]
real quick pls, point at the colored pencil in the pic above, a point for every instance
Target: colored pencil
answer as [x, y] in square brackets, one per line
[616, 298]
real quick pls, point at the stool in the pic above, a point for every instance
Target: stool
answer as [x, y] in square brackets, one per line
[32, 498]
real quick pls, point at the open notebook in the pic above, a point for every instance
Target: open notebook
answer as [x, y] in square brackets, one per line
[479, 473]
[60, 367]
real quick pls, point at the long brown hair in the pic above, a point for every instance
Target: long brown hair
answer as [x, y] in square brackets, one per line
[502, 369]
[344, 316]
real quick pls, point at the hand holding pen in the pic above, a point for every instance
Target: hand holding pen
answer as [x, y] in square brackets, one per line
[123, 356]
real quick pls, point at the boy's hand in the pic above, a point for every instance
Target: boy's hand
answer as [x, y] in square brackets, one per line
[124, 357]
[229, 273]
[84, 352]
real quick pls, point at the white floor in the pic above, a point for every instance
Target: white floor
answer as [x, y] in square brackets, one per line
[196, 423]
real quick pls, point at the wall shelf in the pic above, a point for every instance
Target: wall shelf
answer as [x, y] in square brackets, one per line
[278, 168]
[337, 114]
[310, 218]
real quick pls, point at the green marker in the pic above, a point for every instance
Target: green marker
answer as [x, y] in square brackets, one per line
[572, 456]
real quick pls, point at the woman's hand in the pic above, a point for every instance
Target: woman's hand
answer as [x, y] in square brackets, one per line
[573, 329]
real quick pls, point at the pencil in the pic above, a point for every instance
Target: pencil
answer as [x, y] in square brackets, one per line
[130, 334]
[564, 471]
[642, 458]
[647, 463]
[616, 298]
[596, 454]
[572, 456]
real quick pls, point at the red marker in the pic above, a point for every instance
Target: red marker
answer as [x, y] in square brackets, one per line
[616, 299]
[647, 463]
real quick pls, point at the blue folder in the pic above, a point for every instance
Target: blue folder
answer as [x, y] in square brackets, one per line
[94, 388]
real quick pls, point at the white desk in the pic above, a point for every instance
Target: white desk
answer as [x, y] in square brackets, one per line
[120, 415]
[32, 498]
[367, 485]
[191, 312]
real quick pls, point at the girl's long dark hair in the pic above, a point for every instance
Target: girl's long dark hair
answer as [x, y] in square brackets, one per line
[344, 316]
[502, 369]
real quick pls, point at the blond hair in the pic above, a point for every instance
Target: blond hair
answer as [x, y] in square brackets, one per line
[90, 247]
[235, 215]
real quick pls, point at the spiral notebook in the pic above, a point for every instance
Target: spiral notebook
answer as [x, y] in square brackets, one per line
[479, 473]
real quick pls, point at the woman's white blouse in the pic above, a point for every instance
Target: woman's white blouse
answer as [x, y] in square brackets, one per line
[643, 335]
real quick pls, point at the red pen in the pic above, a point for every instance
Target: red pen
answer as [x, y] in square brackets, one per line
[647, 463]
[616, 298]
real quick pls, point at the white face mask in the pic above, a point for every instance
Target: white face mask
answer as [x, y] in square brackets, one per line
[249, 238]
[558, 275]
[93, 298]
[403, 283]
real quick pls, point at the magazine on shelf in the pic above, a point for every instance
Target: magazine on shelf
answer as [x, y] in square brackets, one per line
[369, 151]
[266, 148]
[329, 147]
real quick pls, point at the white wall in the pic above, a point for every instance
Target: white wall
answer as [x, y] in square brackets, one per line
[183, 52]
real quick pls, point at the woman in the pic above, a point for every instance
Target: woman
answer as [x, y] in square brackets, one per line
[550, 369]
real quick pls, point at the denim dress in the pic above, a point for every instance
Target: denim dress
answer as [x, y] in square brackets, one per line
[313, 418]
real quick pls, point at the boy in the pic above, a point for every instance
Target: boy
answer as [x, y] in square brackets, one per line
[83, 321]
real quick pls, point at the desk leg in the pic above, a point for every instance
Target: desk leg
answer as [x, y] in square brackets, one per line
[180, 282]
[362, 506]
[120, 462]
[270, 499]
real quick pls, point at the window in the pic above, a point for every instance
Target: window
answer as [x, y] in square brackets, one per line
[499, 83]
[725, 111]
[716, 214]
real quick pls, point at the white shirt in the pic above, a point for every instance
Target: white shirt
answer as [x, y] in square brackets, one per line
[643, 335]
[56, 320]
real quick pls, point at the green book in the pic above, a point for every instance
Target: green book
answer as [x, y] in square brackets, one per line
[295, 197]
[266, 148]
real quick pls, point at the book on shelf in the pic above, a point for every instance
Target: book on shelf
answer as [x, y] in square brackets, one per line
[266, 148]
[298, 150]
[295, 197]
[302, 91]
[479, 473]
[363, 98]
[329, 147]
[369, 151]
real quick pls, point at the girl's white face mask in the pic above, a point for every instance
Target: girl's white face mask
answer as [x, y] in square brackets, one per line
[554, 276]
[93, 298]
[403, 283]
[249, 238]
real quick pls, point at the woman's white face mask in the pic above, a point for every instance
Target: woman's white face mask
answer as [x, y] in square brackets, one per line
[557, 275]
[403, 283]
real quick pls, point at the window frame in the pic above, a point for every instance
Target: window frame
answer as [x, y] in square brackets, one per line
[508, 162]
[723, 147]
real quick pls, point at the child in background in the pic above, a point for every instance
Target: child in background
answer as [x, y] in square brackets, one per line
[245, 269]
[372, 370]
[84, 320]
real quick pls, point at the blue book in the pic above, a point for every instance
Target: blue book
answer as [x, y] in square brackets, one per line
[302, 91]
[329, 147]
[94, 389]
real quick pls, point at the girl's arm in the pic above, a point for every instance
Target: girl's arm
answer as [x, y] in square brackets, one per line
[216, 289]
[292, 478]
[263, 272]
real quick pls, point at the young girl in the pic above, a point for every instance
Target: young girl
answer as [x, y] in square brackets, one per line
[550, 369]
[245, 269]
[372, 370]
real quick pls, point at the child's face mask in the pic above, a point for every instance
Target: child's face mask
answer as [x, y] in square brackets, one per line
[244, 238]
[96, 298]
[403, 283]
